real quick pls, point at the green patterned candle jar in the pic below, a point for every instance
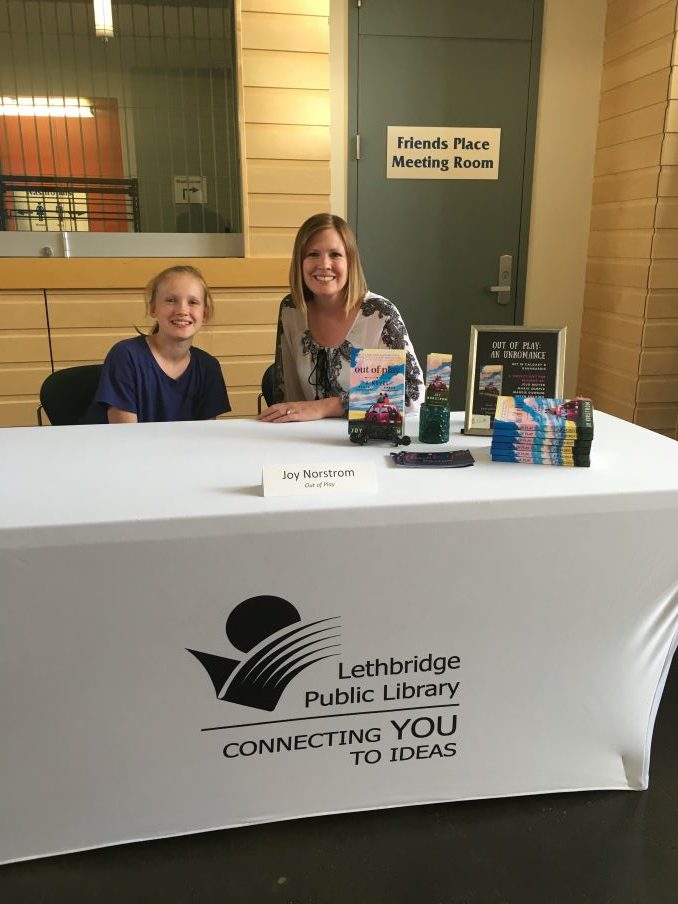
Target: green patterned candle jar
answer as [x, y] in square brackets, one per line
[434, 423]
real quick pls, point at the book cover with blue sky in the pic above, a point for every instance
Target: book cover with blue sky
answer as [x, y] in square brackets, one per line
[377, 377]
[438, 365]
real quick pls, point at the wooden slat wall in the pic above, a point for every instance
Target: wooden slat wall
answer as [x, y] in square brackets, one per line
[286, 117]
[629, 344]
[24, 355]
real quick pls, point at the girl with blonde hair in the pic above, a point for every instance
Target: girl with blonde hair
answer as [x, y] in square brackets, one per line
[161, 376]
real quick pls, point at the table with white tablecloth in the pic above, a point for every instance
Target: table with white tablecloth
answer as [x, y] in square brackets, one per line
[179, 652]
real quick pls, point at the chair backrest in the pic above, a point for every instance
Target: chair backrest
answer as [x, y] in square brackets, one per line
[66, 394]
[268, 384]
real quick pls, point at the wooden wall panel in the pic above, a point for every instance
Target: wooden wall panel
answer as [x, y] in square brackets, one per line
[298, 177]
[622, 243]
[609, 403]
[272, 241]
[659, 361]
[303, 7]
[672, 116]
[629, 155]
[657, 389]
[651, 89]
[286, 115]
[615, 299]
[25, 359]
[664, 274]
[282, 31]
[660, 333]
[610, 355]
[633, 125]
[288, 105]
[612, 383]
[668, 181]
[287, 142]
[656, 417]
[665, 244]
[662, 303]
[283, 210]
[23, 311]
[613, 327]
[670, 149]
[622, 12]
[624, 215]
[667, 213]
[645, 61]
[286, 69]
[610, 272]
[100, 309]
[636, 185]
[655, 24]
[629, 345]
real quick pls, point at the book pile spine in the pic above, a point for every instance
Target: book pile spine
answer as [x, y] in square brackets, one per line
[541, 431]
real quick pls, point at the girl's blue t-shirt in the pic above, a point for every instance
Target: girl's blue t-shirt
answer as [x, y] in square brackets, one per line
[133, 381]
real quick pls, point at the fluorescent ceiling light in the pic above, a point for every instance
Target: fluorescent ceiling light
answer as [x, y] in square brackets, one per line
[74, 107]
[103, 19]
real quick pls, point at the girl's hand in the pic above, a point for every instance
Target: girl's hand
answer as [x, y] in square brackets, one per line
[289, 412]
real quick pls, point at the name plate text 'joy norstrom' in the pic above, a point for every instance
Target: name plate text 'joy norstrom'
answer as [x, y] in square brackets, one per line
[314, 479]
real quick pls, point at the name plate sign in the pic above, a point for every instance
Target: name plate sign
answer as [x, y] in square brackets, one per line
[429, 152]
[315, 479]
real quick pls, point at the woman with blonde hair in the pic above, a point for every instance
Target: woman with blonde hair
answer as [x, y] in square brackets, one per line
[329, 311]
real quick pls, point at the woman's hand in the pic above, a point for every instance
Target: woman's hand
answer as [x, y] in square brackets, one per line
[289, 412]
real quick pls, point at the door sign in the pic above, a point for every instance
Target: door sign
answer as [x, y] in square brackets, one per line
[416, 152]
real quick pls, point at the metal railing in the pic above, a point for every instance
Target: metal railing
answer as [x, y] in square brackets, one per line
[73, 204]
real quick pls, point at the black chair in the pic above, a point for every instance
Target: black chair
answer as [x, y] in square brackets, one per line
[65, 395]
[267, 387]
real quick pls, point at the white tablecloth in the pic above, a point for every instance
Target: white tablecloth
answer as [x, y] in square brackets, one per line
[496, 630]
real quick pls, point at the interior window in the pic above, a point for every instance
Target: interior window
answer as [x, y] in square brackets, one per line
[118, 120]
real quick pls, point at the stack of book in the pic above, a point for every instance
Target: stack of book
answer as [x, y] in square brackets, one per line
[539, 431]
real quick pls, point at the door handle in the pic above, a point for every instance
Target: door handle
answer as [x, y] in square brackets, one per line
[503, 287]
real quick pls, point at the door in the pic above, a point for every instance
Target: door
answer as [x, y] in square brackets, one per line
[433, 245]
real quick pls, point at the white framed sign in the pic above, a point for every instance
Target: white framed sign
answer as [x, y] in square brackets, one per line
[433, 152]
[190, 189]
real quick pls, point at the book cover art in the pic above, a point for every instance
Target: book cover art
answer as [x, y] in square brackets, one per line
[376, 391]
[438, 375]
[534, 415]
[490, 379]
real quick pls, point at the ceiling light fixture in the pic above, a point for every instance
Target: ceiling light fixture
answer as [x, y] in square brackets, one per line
[71, 107]
[103, 19]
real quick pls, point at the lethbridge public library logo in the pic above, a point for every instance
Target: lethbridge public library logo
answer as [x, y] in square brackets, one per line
[276, 652]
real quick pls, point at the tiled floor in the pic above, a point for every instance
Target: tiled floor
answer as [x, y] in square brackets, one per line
[602, 848]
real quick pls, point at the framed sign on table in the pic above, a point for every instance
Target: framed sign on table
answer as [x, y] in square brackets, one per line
[511, 360]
